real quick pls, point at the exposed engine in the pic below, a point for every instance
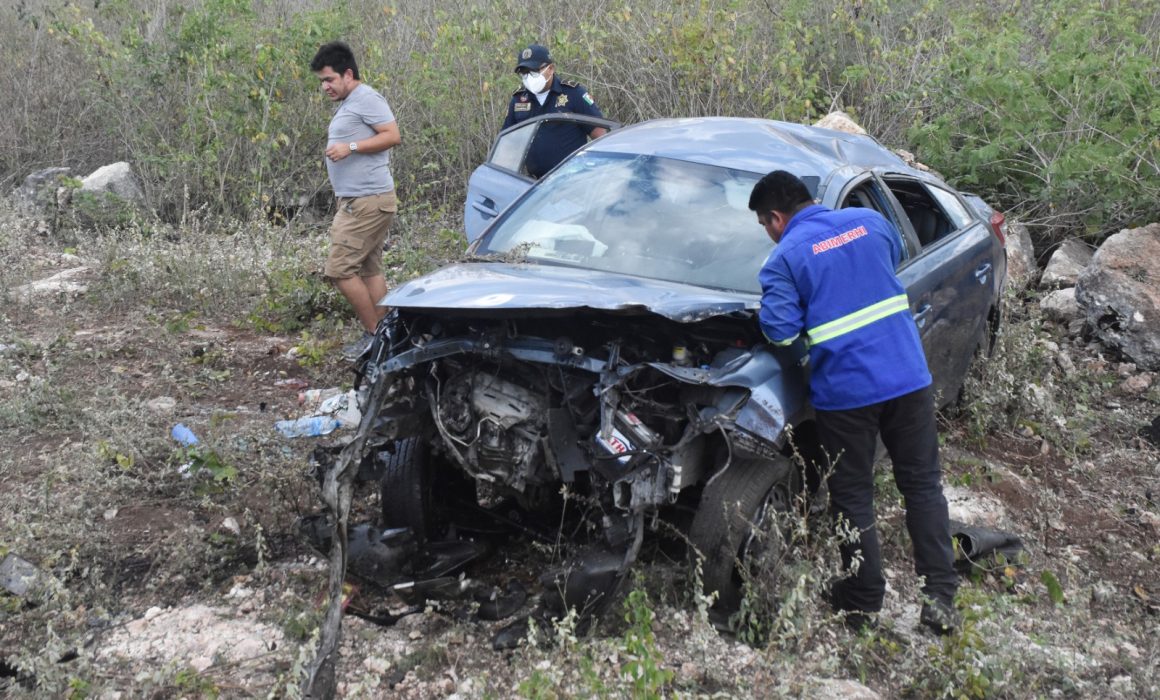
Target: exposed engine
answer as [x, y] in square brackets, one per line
[642, 409]
[494, 428]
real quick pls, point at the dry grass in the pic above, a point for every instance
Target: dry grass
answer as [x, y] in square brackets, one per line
[94, 496]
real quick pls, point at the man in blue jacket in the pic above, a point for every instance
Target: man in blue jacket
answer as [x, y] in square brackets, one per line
[831, 282]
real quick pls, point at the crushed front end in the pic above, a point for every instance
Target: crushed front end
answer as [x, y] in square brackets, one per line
[629, 410]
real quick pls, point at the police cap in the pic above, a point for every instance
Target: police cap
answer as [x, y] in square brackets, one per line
[533, 57]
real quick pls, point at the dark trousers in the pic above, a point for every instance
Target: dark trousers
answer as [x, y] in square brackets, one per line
[907, 427]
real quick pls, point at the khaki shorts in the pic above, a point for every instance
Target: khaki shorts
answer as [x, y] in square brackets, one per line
[357, 235]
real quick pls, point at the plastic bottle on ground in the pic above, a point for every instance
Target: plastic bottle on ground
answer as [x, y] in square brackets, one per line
[308, 426]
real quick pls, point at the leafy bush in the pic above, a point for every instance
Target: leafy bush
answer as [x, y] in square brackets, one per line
[294, 298]
[1053, 109]
[1046, 108]
[207, 101]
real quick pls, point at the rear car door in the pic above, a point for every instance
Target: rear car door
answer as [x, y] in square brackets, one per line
[949, 280]
[504, 176]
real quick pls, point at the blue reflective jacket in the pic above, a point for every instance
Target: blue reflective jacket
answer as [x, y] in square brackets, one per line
[831, 277]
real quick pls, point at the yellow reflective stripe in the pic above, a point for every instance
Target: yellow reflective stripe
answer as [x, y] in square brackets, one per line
[858, 319]
[781, 343]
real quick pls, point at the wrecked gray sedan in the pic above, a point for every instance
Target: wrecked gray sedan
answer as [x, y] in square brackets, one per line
[602, 343]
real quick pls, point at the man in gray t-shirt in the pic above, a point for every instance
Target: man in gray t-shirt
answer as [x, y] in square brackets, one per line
[361, 131]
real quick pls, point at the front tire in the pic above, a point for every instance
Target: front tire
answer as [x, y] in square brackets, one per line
[722, 529]
[418, 490]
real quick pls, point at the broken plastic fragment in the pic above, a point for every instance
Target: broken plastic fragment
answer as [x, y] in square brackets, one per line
[442, 588]
[494, 605]
[978, 546]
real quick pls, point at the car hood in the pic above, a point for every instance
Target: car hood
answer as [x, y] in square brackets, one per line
[482, 287]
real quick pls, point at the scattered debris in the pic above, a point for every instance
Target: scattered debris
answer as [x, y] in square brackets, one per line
[983, 546]
[307, 426]
[183, 435]
[334, 410]
[494, 605]
[311, 398]
[392, 558]
[344, 407]
[292, 383]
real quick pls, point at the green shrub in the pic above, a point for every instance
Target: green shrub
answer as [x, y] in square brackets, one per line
[644, 668]
[210, 102]
[1052, 108]
[1047, 109]
[294, 299]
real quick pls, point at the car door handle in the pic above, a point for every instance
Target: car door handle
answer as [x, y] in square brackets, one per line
[982, 272]
[486, 207]
[921, 314]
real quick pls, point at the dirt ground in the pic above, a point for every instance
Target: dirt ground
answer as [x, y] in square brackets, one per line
[157, 583]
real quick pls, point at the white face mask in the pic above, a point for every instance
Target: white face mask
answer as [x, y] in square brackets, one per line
[535, 82]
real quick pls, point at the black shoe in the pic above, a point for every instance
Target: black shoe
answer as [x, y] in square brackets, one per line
[860, 622]
[941, 617]
[855, 619]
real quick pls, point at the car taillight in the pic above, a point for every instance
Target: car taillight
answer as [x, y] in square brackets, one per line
[999, 227]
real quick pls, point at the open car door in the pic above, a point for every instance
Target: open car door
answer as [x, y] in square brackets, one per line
[504, 176]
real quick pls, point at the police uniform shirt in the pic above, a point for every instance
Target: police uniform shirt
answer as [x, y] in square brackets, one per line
[553, 142]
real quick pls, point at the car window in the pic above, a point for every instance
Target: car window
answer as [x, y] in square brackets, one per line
[868, 195]
[954, 209]
[509, 149]
[930, 221]
[640, 215]
[512, 147]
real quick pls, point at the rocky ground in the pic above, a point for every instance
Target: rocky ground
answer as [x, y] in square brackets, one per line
[160, 570]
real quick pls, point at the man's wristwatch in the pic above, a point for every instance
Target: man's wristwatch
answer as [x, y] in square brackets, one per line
[354, 146]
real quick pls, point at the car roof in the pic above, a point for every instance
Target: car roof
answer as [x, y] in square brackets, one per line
[753, 145]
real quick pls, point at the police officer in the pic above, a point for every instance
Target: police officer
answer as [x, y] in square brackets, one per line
[831, 279]
[545, 93]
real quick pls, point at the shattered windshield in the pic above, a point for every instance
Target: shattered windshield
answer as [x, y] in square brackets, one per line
[641, 215]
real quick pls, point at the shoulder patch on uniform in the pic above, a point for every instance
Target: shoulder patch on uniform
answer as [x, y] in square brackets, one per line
[588, 99]
[570, 83]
